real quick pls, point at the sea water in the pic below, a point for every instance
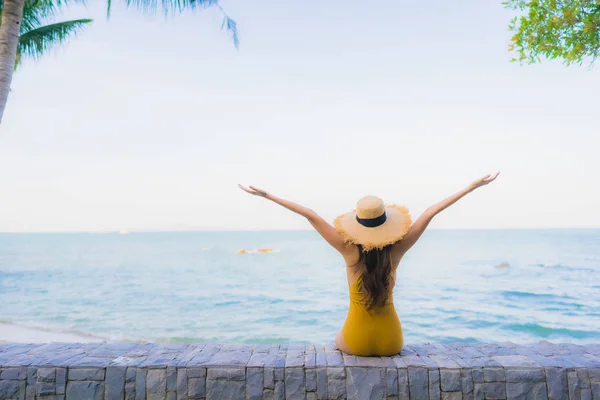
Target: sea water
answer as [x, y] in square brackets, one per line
[467, 285]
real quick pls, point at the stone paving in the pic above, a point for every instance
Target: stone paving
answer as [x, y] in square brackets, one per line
[136, 371]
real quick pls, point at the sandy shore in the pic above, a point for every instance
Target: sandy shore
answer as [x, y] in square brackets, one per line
[23, 334]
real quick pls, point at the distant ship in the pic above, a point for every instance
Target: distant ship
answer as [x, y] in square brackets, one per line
[123, 232]
[263, 250]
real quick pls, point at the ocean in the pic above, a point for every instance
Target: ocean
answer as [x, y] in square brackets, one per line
[454, 285]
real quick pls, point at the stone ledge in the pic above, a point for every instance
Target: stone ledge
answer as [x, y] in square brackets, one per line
[458, 371]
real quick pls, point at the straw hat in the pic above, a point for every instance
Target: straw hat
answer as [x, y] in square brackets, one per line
[373, 224]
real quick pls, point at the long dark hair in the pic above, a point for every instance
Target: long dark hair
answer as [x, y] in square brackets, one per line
[376, 277]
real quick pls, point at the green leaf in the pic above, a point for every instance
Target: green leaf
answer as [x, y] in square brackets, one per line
[169, 6]
[231, 26]
[37, 42]
[555, 29]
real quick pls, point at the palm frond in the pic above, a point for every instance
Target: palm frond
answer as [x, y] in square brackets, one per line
[35, 12]
[168, 6]
[56, 3]
[37, 42]
[231, 26]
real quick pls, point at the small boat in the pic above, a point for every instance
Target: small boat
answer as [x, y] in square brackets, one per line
[261, 250]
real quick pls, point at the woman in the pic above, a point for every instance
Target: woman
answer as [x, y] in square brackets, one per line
[372, 239]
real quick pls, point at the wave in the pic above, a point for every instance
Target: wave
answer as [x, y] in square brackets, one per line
[564, 267]
[227, 303]
[471, 323]
[545, 301]
[547, 332]
[16, 332]
[525, 295]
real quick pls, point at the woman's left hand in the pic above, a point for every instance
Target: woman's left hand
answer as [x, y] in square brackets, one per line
[254, 191]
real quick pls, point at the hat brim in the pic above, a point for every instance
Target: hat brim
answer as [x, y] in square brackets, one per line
[395, 227]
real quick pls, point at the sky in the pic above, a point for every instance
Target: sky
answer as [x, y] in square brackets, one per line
[148, 123]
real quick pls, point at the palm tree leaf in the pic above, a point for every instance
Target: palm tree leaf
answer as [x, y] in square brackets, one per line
[168, 6]
[231, 26]
[36, 11]
[176, 6]
[38, 41]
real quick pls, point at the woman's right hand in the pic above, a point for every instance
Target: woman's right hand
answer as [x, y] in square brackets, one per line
[484, 181]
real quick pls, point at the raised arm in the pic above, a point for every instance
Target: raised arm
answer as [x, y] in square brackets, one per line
[419, 226]
[325, 229]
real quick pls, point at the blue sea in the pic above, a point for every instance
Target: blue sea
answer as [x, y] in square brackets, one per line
[454, 285]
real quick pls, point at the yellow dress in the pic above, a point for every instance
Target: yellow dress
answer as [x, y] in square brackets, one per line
[376, 332]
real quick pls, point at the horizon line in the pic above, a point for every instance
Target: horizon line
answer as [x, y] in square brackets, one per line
[127, 232]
